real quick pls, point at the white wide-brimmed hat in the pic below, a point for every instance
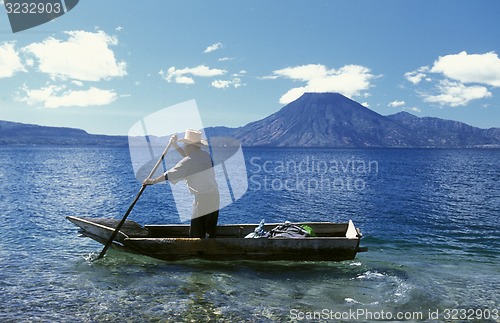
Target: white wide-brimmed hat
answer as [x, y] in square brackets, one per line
[193, 137]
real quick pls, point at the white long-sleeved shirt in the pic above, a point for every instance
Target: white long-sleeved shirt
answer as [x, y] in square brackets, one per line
[197, 170]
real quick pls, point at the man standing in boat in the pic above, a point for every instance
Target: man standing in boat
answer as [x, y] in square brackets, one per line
[196, 168]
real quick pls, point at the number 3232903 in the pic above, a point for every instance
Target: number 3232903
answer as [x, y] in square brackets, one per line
[33, 8]
[471, 314]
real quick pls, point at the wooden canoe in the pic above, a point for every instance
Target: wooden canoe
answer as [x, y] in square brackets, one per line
[334, 241]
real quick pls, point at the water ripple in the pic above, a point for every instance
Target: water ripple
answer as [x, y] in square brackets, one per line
[429, 218]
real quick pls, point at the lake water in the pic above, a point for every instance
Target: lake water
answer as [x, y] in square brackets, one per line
[429, 219]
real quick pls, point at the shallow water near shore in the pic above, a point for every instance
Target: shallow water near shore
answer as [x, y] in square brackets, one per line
[429, 219]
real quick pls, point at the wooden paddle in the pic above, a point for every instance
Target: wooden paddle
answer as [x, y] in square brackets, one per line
[143, 187]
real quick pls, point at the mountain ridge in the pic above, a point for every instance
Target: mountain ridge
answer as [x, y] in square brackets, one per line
[333, 120]
[313, 120]
[15, 133]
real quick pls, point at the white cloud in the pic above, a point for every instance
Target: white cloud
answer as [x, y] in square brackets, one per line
[413, 109]
[304, 72]
[349, 80]
[184, 80]
[418, 75]
[462, 67]
[456, 94]
[54, 96]
[84, 56]
[213, 47]
[459, 78]
[185, 75]
[29, 62]
[268, 77]
[470, 68]
[396, 104]
[10, 62]
[293, 94]
[223, 84]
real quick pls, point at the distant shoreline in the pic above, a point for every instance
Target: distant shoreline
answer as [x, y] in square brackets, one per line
[316, 120]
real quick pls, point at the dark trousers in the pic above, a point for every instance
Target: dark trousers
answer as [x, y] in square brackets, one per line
[204, 226]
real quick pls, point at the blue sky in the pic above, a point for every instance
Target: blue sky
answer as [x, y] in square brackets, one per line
[106, 64]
